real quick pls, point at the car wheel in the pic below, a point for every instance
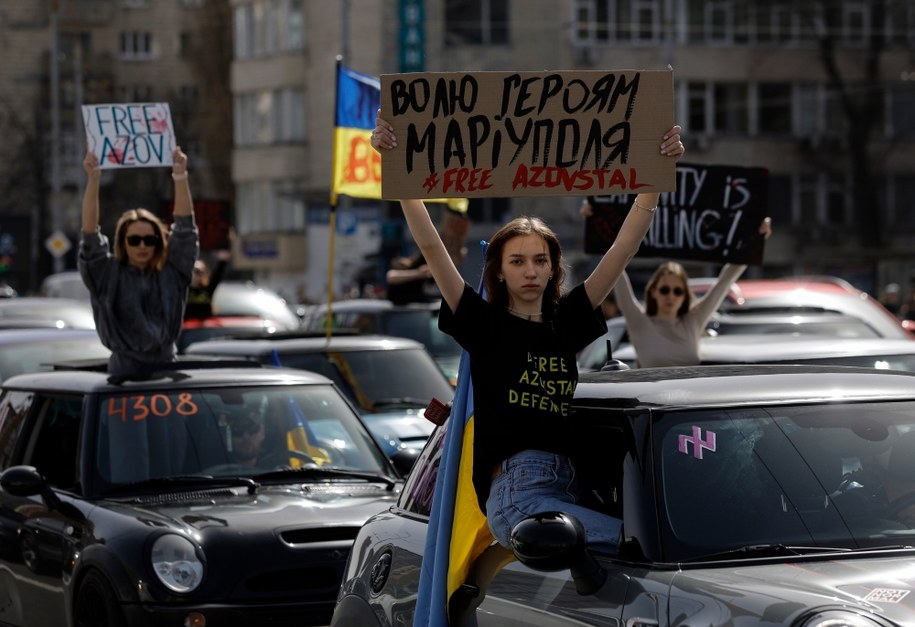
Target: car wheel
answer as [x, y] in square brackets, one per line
[96, 603]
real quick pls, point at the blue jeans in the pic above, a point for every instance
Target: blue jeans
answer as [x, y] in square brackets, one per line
[533, 482]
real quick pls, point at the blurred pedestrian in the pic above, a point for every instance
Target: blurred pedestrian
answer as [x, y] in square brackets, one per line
[138, 292]
[203, 286]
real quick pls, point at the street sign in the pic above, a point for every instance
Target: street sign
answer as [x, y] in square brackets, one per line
[58, 244]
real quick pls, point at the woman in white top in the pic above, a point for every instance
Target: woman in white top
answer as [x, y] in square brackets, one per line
[667, 331]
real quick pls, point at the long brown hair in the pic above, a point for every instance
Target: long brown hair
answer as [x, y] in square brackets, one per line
[496, 292]
[668, 268]
[157, 262]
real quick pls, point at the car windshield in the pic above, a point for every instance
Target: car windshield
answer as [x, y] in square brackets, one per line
[236, 431]
[374, 380]
[838, 475]
[422, 326]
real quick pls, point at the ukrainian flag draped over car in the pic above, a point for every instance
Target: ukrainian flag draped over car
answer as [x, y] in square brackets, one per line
[458, 532]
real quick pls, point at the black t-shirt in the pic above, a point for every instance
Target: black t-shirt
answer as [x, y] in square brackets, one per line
[524, 375]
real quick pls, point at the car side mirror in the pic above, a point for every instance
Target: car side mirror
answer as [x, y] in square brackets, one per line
[555, 541]
[27, 481]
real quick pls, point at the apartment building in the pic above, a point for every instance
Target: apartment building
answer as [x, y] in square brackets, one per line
[821, 93]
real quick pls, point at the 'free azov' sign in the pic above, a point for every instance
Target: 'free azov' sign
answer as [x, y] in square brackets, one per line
[131, 135]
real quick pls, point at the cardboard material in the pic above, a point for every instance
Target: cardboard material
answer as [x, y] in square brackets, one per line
[713, 216]
[498, 134]
[130, 135]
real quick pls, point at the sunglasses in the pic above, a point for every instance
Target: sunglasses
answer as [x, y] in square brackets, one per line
[244, 427]
[135, 240]
[664, 290]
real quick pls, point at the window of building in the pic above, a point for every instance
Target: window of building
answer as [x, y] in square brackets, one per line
[855, 23]
[270, 207]
[136, 45]
[731, 108]
[618, 20]
[269, 117]
[136, 93]
[900, 24]
[135, 3]
[837, 201]
[775, 23]
[295, 26]
[476, 22]
[808, 111]
[902, 109]
[189, 98]
[779, 199]
[808, 200]
[696, 105]
[903, 204]
[244, 31]
[269, 27]
[774, 107]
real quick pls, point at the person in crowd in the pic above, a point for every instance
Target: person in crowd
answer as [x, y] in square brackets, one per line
[667, 331]
[203, 286]
[410, 281]
[138, 291]
[522, 339]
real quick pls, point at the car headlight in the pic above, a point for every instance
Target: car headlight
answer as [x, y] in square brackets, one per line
[839, 618]
[175, 562]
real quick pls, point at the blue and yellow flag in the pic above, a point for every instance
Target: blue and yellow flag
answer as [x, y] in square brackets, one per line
[458, 532]
[357, 166]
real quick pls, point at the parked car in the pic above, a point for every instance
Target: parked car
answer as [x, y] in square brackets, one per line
[826, 324]
[750, 495]
[390, 380]
[127, 502]
[808, 295]
[417, 321]
[35, 350]
[203, 329]
[236, 298]
[231, 298]
[43, 310]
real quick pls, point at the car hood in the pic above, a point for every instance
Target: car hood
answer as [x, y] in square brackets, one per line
[298, 504]
[781, 593]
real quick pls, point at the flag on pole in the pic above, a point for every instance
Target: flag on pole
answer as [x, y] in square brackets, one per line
[458, 532]
[357, 166]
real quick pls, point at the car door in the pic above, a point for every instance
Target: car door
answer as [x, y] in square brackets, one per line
[38, 558]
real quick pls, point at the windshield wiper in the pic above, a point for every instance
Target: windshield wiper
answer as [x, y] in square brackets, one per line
[767, 550]
[315, 472]
[402, 400]
[181, 482]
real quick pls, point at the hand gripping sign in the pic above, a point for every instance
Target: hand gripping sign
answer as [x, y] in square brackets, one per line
[130, 135]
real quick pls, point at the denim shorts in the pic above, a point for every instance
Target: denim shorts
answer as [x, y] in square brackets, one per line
[533, 482]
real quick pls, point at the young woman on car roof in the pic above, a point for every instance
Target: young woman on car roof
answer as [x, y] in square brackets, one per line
[522, 340]
[138, 293]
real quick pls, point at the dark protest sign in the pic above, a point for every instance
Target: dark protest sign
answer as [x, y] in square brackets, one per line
[497, 134]
[130, 135]
[713, 216]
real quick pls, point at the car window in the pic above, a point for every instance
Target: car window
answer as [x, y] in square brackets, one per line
[53, 445]
[372, 377]
[416, 496]
[14, 406]
[795, 476]
[165, 433]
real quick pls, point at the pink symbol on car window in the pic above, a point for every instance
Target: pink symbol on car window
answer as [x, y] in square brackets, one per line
[698, 442]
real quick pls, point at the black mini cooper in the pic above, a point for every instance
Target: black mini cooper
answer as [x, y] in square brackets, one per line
[750, 496]
[208, 494]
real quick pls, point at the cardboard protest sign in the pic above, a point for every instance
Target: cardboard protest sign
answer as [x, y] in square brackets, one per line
[133, 135]
[713, 216]
[492, 134]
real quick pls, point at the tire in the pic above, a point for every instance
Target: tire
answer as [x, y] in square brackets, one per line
[96, 603]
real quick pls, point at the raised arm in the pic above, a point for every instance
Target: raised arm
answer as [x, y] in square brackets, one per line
[445, 274]
[184, 204]
[631, 234]
[90, 196]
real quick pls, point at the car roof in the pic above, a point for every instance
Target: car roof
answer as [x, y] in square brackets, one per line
[244, 346]
[705, 386]
[187, 377]
[41, 334]
[374, 304]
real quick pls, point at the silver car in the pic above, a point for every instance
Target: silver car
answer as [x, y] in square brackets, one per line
[750, 495]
